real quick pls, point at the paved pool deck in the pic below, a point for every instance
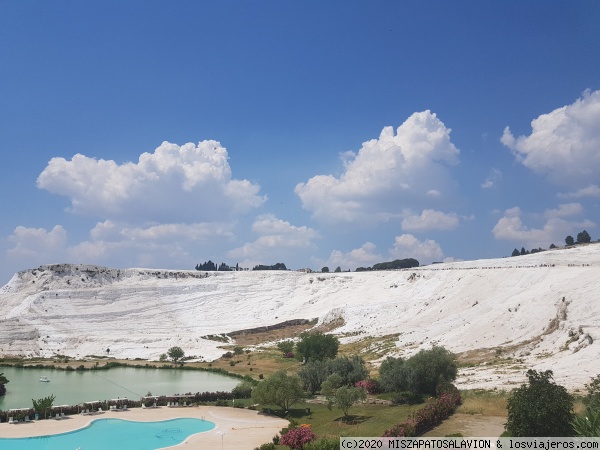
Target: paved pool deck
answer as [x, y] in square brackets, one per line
[235, 428]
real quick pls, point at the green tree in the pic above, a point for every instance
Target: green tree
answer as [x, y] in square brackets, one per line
[312, 374]
[351, 369]
[279, 389]
[317, 346]
[552, 246]
[338, 269]
[540, 408]
[43, 404]
[3, 381]
[175, 353]
[569, 240]
[421, 373]
[243, 390]
[431, 368]
[342, 397]
[592, 398]
[583, 237]
[286, 346]
[392, 374]
[325, 269]
[515, 253]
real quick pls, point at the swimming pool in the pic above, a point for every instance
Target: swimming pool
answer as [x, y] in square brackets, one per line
[114, 434]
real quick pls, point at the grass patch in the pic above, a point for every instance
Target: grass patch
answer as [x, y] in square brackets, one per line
[364, 419]
[486, 403]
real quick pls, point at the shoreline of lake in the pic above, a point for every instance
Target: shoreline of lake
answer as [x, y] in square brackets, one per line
[75, 386]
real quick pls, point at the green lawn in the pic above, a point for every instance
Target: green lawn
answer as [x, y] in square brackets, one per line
[366, 419]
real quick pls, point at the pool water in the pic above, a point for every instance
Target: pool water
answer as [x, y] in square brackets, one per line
[114, 434]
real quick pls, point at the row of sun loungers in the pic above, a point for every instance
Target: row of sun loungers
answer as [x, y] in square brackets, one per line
[89, 412]
[154, 405]
[177, 405]
[117, 408]
[13, 421]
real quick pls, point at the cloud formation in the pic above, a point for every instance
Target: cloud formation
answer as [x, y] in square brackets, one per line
[430, 219]
[590, 191]
[185, 183]
[511, 227]
[492, 180]
[564, 143]
[37, 244]
[364, 256]
[388, 174]
[408, 246]
[276, 238]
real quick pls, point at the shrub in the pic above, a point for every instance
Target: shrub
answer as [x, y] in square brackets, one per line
[588, 425]
[242, 390]
[369, 385]
[407, 398]
[286, 346]
[540, 408]
[279, 389]
[317, 346]
[238, 350]
[296, 438]
[421, 373]
[427, 417]
[266, 446]
[592, 399]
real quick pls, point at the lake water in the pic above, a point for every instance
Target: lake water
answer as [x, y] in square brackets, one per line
[72, 388]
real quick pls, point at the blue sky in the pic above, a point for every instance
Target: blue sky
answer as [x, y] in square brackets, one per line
[343, 133]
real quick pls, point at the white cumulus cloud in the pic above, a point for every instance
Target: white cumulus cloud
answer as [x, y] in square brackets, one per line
[364, 256]
[590, 191]
[408, 246]
[185, 183]
[276, 238]
[430, 219]
[38, 244]
[564, 143]
[387, 174]
[511, 227]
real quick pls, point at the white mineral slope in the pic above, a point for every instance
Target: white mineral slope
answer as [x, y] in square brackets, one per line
[537, 311]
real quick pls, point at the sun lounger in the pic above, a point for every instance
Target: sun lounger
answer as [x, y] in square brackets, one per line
[57, 417]
[11, 420]
[112, 407]
[125, 408]
[100, 410]
[62, 415]
[27, 420]
[155, 405]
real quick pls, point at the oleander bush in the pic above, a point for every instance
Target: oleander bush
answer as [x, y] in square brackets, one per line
[297, 438]
[428, 417]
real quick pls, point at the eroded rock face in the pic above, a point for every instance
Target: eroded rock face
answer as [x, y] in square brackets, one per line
[536, 311]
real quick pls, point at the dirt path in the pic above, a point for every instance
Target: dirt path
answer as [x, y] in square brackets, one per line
[470, 425]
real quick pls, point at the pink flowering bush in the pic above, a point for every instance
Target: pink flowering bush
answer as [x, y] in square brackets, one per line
[371, 386]
[427, 417]
[296, 438]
